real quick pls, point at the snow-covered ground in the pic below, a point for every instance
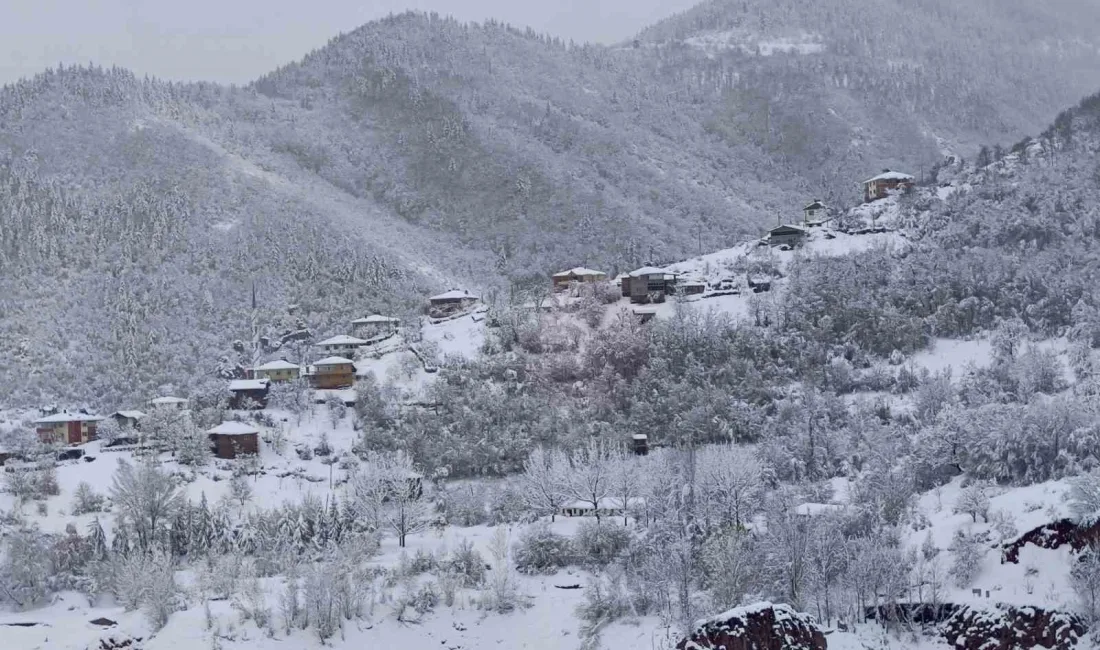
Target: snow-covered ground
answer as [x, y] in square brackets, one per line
[749, 42]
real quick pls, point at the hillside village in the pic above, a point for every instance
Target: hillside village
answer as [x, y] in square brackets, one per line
[345, 357]
[293, 431]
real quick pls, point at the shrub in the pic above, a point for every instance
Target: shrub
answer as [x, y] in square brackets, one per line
[467, 564]
[85, 500]
[599, 543]
[465, 506]
[541, 550]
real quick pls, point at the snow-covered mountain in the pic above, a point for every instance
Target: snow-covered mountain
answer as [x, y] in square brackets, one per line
[418, 153]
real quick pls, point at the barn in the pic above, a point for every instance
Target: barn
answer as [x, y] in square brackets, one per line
[232, 439]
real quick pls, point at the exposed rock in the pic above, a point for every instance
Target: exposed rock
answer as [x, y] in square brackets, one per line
[1013, 628]
[105, 622]
[118, 643]
[762, 626]
[1052, 536]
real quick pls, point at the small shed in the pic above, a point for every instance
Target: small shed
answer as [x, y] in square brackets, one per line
[333, 372]
[450, 303]
[232, 439]
[881, 186]
[342, 344]
[691, 287]
[608, 507]
[640, 444]
[815, 213]
[169, 403]
[645, 314]
[374, 325]
[580, 274]
[787, 235]
[248, 393]
[276, 371]
[128, 419]
[808, 510]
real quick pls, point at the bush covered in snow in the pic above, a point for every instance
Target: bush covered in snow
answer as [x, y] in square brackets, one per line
[541, 550]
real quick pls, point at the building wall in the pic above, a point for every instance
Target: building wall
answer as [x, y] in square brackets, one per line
[59, 432]
[334, 377]
[289, 374]
[231, 446]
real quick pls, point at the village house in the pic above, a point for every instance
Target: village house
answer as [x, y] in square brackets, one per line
[808, 510]
[232, 439]
[277, 371]
[168, 403]
[786, 235]
[450, 303]
[648, 283]
[67, 428]
[565, 279]
[341, 344]
[815, 213]
[248, 394]
[333, 372]
[640, 444]
[127, 419]
[692, 287]
[375, 325]
[608, 507]
[884, 184]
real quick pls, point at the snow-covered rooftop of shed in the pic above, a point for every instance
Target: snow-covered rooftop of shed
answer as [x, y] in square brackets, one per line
[813, 509]
[278, 364]
[68, 417]
[233, 429]
[168, 400]
[343, 339]
[374, 318]
[333, 361]
[247, 384]
[133, 415]
[580, 270]
[816, 205]
[889, 176]
[454, 294]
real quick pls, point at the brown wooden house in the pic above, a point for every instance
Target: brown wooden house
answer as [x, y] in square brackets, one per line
[248, 393]
[67, 428]
[450, 303]
[232, 439]
[333, 372]
[565, 279]
[648, 283]
[881, 186]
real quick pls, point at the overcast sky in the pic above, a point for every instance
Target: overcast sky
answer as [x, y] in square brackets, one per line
[238, 40]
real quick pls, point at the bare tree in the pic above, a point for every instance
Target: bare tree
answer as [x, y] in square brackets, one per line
[147, 497]
[543, 484]
[591, 474]
[731, 484]
[386, 490]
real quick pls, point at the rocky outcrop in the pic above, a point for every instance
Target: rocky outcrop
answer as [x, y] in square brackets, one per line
[763, 626]
[1051, 536]
[1013, 628]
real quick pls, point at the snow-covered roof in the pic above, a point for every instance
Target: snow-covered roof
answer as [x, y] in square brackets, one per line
[579, 271]
[233, 429]
[645, 310]
[640, 436]
[278, 364]
[247, 384]
[132, 415]
[168, 400]
[610, 503]
[333, 361]
[889, 176]
[343, 339]
[787, 226]
[813, 509]
[374, 318]
[68, 417]
[647, 270]
[816, 205]
[454, 294]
